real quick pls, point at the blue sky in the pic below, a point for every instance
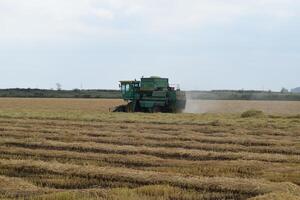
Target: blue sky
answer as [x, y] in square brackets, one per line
[199, 44]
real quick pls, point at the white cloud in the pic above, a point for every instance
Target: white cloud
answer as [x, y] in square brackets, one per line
[104, 14]
[179, 14]
[61, 18]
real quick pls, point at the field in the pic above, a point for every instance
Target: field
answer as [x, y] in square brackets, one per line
[76, 149]
[235, 106]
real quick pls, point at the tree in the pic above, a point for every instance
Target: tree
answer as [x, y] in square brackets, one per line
[58, 86]
[296, 90]
[284, 90]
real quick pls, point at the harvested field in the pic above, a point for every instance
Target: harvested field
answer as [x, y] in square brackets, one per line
[75, 149]
[237, 106]
[59, 105]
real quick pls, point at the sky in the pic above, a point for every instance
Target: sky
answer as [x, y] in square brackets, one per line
[199, 44]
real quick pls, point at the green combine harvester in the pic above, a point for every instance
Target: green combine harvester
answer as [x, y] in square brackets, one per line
[152, 94]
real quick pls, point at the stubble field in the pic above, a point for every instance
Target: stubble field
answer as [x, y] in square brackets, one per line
[76, 149]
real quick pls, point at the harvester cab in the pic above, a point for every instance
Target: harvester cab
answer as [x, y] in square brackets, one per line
[129, 89]
[152, 94]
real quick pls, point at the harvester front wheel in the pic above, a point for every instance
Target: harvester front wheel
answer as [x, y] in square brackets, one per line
[129, 107]
[121, 108]
[156, 109]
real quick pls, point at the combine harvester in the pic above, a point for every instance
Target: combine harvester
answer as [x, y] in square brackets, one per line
[152, 94]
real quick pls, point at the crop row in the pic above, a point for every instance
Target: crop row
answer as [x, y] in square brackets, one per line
[161, 152]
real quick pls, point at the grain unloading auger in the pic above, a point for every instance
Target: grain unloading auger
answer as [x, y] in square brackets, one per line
[152, 94]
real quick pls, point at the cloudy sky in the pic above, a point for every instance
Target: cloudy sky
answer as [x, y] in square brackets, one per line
[199, 44]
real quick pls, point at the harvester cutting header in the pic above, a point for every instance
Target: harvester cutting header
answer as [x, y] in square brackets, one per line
[152, 94]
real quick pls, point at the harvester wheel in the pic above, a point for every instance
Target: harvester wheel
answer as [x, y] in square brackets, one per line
[129, 107]
[156, 109]
[121, 108]
[173, 109]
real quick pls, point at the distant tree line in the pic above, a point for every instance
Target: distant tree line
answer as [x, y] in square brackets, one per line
[296, 90]
[76, 93]
[116, 94]
[243, 95]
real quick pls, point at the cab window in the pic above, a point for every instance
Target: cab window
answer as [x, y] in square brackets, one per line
[125, 88]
